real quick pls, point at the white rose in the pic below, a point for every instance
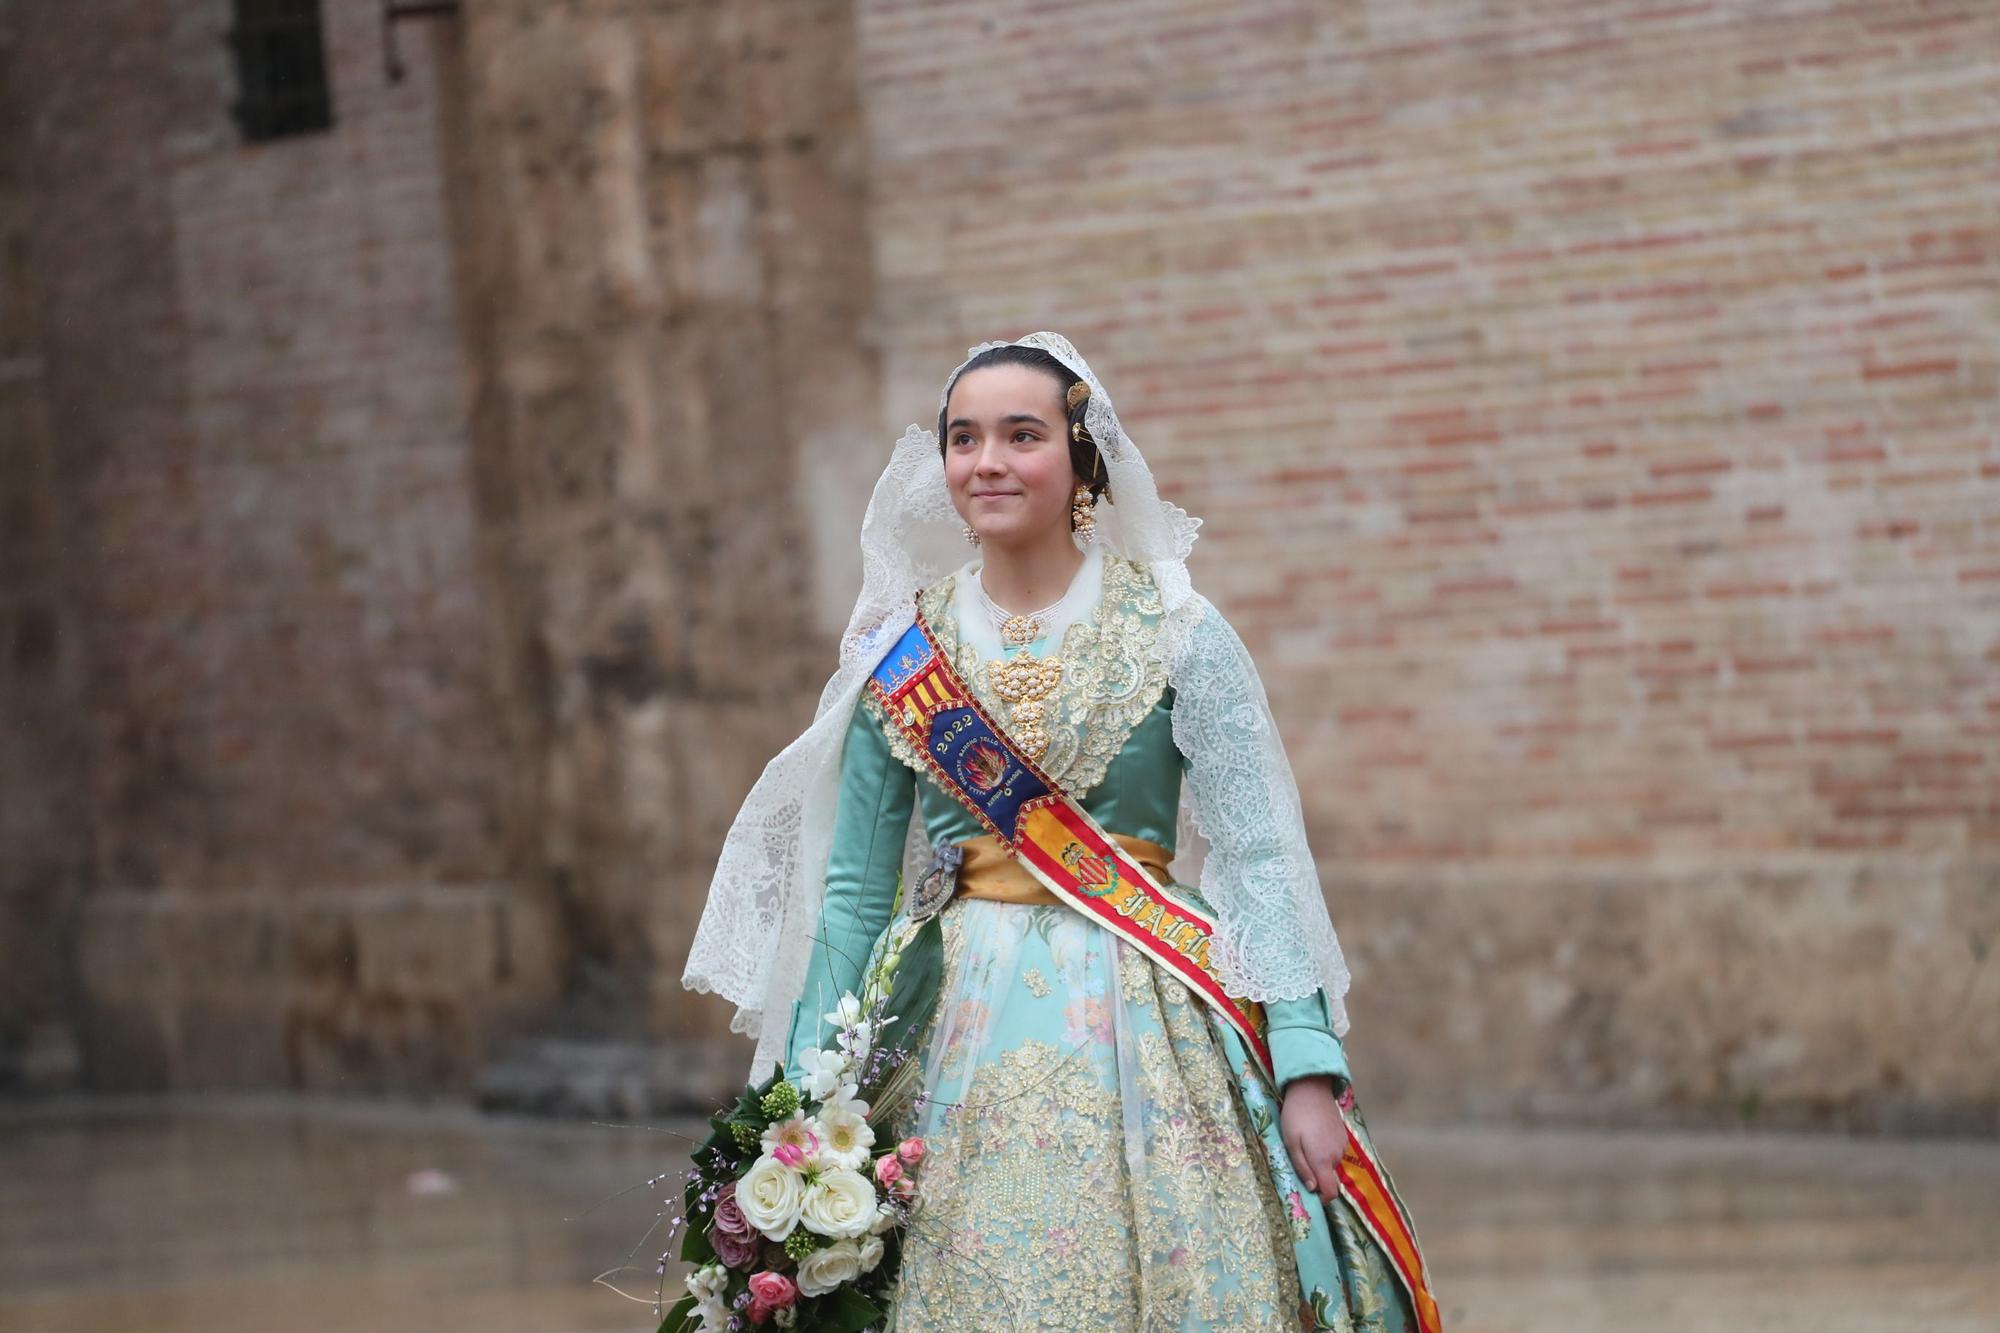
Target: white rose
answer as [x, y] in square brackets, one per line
[840, 1203]
[771, 1195]
[885, 1217]
[845, 1137]
[824, 1270]
[871, 1252]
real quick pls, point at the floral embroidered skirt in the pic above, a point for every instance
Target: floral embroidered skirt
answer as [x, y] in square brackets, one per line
[1102, 1159]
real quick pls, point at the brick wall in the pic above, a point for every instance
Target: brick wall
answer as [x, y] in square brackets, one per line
[1593, 409]
[295, 800]
[41, 851]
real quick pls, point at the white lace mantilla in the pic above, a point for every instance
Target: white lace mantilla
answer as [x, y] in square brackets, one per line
[1274, 940]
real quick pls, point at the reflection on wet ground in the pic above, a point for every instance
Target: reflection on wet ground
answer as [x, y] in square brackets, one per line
[222, 1216]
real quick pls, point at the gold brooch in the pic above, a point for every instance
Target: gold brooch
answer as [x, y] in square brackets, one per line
[1017, 630]
[1027, 683]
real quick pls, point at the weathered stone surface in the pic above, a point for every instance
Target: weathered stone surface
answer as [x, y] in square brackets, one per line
[42, 774]
[611, 1078]
[374, 989]
[666, 257]
[1801, 994]
[264, 812]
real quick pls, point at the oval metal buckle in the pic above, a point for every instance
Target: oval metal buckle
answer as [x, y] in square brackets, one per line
[938, 882]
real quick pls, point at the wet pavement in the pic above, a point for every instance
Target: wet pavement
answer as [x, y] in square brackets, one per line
[272, 1216]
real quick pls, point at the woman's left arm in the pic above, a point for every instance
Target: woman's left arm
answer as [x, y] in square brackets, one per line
[1302, 1041]
[877, 795]
[1257, 841]
[1311, 1072]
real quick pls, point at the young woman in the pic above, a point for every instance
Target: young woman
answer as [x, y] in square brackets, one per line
[1136, 1099]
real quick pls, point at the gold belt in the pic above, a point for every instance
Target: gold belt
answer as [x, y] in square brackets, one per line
[989, 871]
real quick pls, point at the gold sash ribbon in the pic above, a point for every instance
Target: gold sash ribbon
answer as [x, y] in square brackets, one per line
[995, 874]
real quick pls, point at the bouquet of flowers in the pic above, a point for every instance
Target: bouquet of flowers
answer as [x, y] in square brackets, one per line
[796, 1203]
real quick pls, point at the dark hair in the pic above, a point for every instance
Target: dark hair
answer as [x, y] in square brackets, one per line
[1084, 459]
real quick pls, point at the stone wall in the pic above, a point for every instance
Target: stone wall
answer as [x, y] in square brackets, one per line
[666, 268]
[294, 805]
[41, 870]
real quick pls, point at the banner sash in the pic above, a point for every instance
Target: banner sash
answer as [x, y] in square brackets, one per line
[1058, 841]
[1062, 846]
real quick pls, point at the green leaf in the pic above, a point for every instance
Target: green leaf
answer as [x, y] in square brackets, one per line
[695, 1247]
[848, 1311]
[913, 988]
[748, 1108]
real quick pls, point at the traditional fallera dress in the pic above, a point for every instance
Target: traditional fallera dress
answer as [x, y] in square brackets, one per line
[1103, 1153]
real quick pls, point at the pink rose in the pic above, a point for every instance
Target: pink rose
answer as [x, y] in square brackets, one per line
[729, 1214]
[887, 1169]
[911, 1151]
[736, 1242]
[773, 1291]
[734, 1251]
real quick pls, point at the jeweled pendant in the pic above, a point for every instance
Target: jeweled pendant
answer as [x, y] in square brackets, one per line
[1018, 630]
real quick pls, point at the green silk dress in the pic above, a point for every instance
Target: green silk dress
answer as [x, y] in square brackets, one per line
[1102, 1153]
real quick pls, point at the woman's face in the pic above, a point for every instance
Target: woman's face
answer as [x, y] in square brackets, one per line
[1006, 455]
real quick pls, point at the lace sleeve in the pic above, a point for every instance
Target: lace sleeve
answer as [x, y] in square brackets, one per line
[1274, 940]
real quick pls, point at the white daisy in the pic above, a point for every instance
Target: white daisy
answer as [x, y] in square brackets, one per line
[846, 1137]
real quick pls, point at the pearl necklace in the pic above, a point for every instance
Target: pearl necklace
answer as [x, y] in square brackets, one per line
[1019, 628]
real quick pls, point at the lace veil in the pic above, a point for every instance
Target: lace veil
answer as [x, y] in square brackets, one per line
[1241, 822]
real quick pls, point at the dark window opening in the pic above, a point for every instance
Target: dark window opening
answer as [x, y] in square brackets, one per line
[280, 69]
